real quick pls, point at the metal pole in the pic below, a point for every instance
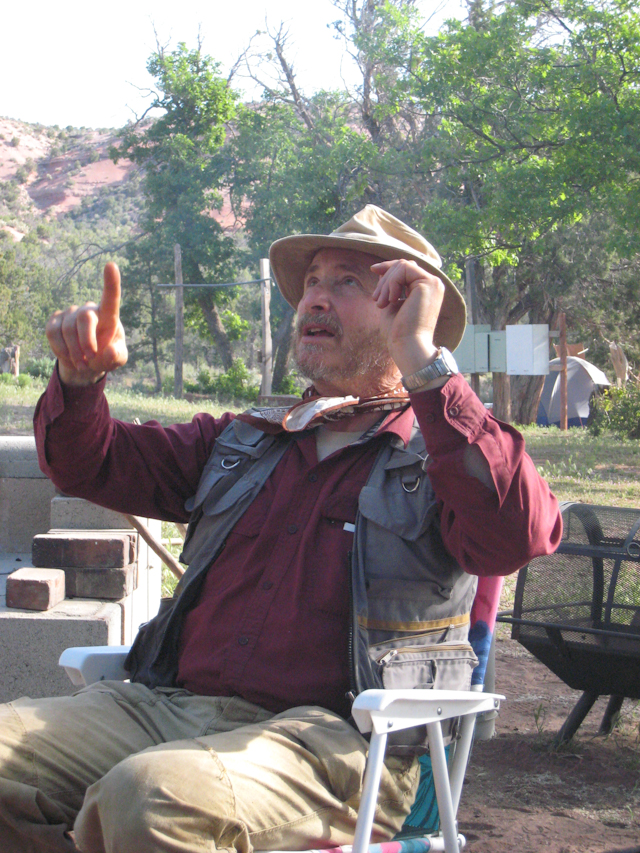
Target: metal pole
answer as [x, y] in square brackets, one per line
[562, 325]
[179, 351]
[265, 302]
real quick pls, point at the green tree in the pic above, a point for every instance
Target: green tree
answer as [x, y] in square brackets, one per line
[535, 111]
[179, 153]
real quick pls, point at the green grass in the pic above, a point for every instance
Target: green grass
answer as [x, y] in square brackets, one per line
[17, 406]
[580, 467]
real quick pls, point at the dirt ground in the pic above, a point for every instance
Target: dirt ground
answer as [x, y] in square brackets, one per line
[522, 796]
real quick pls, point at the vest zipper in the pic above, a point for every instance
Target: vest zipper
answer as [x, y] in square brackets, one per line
[353, 674]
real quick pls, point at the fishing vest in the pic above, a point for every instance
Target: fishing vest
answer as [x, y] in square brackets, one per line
[410, 600]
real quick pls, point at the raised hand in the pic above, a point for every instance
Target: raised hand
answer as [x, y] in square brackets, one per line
[89, 340]
[410, 300]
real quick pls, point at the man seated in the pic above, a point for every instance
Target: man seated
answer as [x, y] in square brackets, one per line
[331, 546]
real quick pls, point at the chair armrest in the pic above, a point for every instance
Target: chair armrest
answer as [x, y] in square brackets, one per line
[392, 710]
[87, 664]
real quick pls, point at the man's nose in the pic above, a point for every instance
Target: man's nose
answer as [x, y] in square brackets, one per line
[316, 298]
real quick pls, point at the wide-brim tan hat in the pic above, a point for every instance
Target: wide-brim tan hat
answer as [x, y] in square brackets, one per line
[378, 233]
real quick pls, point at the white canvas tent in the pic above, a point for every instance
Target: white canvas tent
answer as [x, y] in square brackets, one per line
[583, 380]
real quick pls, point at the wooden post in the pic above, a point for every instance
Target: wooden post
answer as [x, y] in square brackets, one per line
[562, 326]
[179, 351]
[265, 302]
[470, 282]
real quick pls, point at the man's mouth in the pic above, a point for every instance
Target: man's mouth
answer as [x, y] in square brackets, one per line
[317, 328]
[317, 332]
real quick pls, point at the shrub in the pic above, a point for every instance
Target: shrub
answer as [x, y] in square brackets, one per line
[40, 367]
[288, 385]
[7, 378]
[24, 380]
[235, 384]
[617, 409]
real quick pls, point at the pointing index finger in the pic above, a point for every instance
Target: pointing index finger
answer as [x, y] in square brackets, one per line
[110, 301]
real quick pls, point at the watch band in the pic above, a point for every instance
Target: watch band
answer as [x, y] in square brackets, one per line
[444, 365]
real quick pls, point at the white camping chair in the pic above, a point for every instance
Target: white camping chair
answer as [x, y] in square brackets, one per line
[381, 712]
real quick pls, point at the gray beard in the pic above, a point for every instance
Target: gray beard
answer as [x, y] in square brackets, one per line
[368, 357]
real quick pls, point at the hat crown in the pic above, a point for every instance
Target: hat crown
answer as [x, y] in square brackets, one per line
[374, 224]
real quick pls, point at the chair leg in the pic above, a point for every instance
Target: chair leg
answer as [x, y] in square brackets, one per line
[448, 826]
[370, 786]
[610, 715]
[573, 722]
[458, 765]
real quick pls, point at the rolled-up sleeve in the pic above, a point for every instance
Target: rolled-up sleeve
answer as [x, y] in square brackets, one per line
[489, 532]
[142, 469]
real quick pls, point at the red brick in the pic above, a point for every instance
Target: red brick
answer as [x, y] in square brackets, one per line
[35, 589]
[103, 584]
[62, 549]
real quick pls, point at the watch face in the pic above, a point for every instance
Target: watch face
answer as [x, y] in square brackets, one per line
[449, 360]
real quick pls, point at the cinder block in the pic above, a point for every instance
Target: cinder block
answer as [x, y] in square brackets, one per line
[8, 564]
[77, 514]
[81, 549]
[35, 589]
[144, 601]
[110, 584]
[19, 458]
[31, 643]
[25, 510]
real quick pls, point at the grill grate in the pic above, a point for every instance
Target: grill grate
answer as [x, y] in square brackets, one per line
[578, 610]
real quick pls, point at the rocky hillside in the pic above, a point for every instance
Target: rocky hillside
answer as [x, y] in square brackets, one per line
[47, 171]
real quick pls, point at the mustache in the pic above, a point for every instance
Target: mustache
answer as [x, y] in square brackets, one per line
[325, 321]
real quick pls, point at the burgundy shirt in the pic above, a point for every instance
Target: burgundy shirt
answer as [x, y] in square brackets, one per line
[271, 621]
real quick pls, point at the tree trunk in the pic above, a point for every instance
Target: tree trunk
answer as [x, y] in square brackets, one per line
[525, 398]
[154, 337]
[502, 397]
[216, 330]
[283, 337]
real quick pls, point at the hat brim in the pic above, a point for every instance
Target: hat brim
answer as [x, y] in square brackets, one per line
[290, 258]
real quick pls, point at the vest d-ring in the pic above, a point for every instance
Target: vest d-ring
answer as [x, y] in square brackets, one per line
[231, 465]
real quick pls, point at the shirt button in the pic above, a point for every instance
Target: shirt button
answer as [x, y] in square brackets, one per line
[292, 528]
[454, 411]
[242, 641]
[267, 585]
[313, 478]
[429, 417]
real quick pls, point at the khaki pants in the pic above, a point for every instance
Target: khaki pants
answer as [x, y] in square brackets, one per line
[134, 770]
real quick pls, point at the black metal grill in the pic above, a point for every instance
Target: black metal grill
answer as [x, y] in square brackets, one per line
[578, 610]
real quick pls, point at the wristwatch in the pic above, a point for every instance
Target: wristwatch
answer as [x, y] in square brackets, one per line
[444, 365]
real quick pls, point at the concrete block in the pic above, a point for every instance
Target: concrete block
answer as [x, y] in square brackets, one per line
[25, 511]
[77, 514]
[35, 589]
[82, 549]
[18, 458]
[144, 601]
[31, 643]
[8, 564]
[110, 584]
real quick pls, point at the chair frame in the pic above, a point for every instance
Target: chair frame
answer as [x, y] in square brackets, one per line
[379, 712]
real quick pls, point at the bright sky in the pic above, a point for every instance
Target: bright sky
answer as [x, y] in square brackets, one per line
[78, 63]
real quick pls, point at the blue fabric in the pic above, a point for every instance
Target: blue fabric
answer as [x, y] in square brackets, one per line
[424, 812]
[480, 639]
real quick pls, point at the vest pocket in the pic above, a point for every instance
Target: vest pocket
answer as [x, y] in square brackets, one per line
[443, 666]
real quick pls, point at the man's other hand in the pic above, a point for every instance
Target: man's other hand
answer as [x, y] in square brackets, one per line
[409, 299]
[89, 340]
